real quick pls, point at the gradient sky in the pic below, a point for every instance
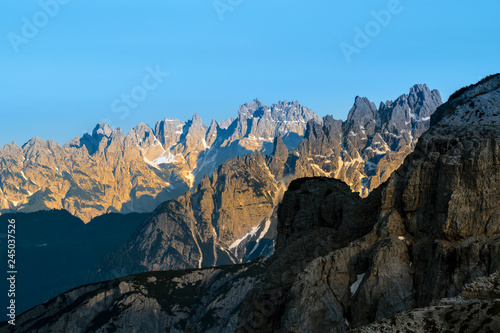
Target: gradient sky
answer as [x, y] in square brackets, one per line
[72, 73]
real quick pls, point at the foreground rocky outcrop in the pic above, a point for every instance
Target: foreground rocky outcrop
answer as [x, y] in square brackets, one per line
[477, 316]
[422, 236]
[204, 300]
[476, 309]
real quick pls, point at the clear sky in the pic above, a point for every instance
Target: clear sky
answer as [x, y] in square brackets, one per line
[66, 65]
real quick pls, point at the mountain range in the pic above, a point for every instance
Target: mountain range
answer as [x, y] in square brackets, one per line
[230, 216]
[109, 171]
[422, 248]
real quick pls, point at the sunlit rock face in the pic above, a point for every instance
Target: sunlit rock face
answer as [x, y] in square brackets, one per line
[110, 171]
[364, 150]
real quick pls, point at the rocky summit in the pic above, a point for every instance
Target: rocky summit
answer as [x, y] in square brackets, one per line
[110, 171]
[420, 253]
[364, 150]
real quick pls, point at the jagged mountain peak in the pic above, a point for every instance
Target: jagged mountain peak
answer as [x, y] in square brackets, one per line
[37, 145]
[102, 129]
[170, 120]
[141, 131]
[168, 131]
[212, 133]
[360, 100]
[419, 88]
[141, 135]
[279, 145]
[196, 119]
[289, 113]
[286, 103]
[34, 142]
[277, 160]
[143, 127]
[11, 149]
[247, 110]
[363, 111]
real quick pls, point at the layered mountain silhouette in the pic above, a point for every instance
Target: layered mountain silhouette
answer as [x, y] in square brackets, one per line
[110, 171]
[428, 238]
[230, 216]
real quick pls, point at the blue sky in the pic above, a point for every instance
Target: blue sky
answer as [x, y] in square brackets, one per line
[83, 57]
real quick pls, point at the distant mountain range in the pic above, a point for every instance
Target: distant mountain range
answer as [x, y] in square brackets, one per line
[110, 171]
[241, 172]
[419, 253]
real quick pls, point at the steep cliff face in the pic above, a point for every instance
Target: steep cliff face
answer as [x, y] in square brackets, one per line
[227, 219]
[420, 237]
[447, 196]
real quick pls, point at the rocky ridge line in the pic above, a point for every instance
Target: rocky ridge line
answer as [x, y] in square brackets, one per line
[110, 171]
